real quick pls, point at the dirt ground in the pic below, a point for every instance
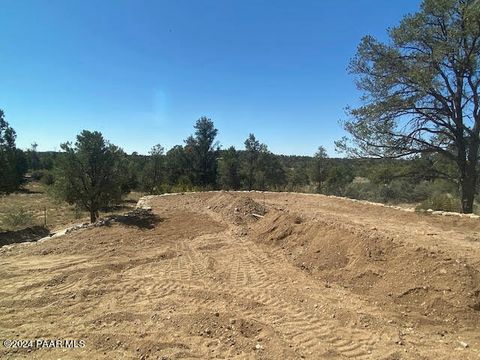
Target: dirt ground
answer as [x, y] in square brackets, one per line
[305, 276]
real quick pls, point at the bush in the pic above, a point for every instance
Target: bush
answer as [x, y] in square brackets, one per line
[17, 218]
[45, 176]
[361, 191]
[48, 178]
[37, 175]
[399, 190]
[440, 202]
[422, 191]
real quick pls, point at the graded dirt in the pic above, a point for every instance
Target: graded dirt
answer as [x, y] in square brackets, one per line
[250, 276]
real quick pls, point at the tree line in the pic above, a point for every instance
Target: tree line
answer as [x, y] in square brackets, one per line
[94, 174]
[419, 117]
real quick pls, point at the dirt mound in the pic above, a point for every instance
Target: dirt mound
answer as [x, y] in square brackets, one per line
[240, 210]
[423, 282]
[29, 234]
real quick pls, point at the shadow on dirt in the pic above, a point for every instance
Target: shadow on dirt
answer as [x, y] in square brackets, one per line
[140, 218]
[29, 234]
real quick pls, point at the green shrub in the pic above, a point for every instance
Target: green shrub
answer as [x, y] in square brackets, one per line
[440, 202]
[77, 212]
[361, 191]
[17, 218]
[38, 174]
[45, 176]
[422, 191]
[48, 178]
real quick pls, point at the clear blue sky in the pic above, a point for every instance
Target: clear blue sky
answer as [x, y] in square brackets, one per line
[142, 72]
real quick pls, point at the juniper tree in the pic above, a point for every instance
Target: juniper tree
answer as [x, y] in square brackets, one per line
[89, 173]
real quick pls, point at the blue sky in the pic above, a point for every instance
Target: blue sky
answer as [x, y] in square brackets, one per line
[142, 72]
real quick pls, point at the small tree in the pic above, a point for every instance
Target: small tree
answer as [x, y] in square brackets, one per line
[33, 158]
[338, 178]
[178, 167]
[154, 170]
[253, 149]
[89, 174]
[13, 164]
[229, 169]
[318, 168]
[203, 151]
[421, 90]
[298, 178]
[270, 173]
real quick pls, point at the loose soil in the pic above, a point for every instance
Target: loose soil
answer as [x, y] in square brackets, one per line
[250, 276]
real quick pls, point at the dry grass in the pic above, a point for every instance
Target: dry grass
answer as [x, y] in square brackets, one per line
[34, 201]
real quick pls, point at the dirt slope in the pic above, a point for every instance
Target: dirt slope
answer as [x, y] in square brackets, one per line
[305, 277]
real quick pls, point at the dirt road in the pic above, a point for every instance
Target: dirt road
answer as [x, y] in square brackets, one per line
[303, 277]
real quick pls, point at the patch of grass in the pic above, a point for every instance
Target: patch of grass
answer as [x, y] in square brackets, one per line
[35, 200]
[17, 219]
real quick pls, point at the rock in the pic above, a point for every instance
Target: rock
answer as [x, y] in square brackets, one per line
[258, 347]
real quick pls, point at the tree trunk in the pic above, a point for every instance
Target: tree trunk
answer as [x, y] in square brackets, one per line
[93, 216]
[468, 182]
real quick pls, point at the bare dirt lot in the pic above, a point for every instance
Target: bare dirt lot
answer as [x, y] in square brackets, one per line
[305, 277]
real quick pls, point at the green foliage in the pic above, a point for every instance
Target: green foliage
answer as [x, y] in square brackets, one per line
[178, 166]
[17, 218]
[338, 178]
[383, 174]
[90, 173]
[421, 92]
[297, 179]
[202, 151]
[253, 150]
[37, 175]
[154, 171]
[441, 202]
[13, 163]
[318, 168]
[394, 192]
[229, 169]
[93, 174]
[45, 176]
[270, 173]
[33, 159]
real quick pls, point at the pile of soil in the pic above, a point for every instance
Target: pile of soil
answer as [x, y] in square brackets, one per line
[239, 210]
[428, 283]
